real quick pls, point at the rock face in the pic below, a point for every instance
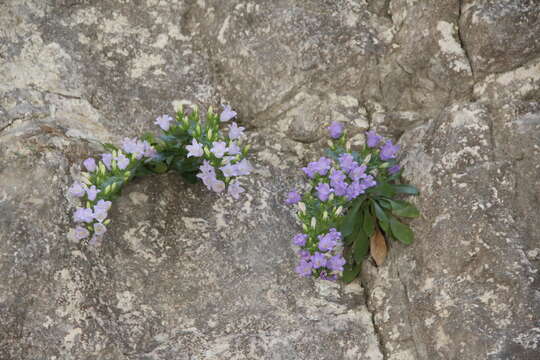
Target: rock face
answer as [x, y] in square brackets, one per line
[188, 275]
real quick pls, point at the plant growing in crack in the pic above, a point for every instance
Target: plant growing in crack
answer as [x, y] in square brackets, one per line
[352, 205]
[196, 149]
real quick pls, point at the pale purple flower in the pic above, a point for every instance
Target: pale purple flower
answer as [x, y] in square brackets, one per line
[163, 122]
[149, 151]
[100, 214]
[195, 149]
[206, 168]
[293, 197]
[83, 215]
[90, 164]
[218, 186]
[324, 276]
[335, 129]
[244, 167]
[135, 147]
[235, 190]
[368, 182]
[304, 254]
[322, 165]
[99, 229]
[219, 148]
[336, 263]
[318, 260]
[107, 159]
[80, 233]
[389, 151]
[92, 192]
[227, 113]
[309, 170]
[323, 191]
[355, 189]
[304, 268]
[373, 139]
[208, 178]
[103, 204]
[347, 163]
[122, 161]
[337, 176]
[234, 149]
[330, 240]
[340, 188]
[358, 172]
[77, 190]
[235, 131]
[300, 239]
[394, 169]
[96, 240]
[229, 170]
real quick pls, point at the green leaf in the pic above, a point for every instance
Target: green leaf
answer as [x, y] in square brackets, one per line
[383, 189]
[384, 225]
[109, 146]
[369, 221]
[351, 272]
[405, 189]
[404, 208]
[379, 212]
[347, 226]
[401, 231]
[361, 246]
[160, 168]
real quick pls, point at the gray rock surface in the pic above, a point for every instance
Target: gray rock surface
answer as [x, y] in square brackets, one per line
[188, 275]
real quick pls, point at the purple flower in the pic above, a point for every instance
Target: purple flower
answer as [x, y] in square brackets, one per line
[77, 190]
[323, 165]
[80, 233]
[235, 190]
[355, 189]
[340, 188]
[235, 131]
[195, 149]
[304, 254]
[218, 186]
[206, 168]
[318, 260]
[347, 163]
[135, 147]
[208, 177]
[336, 263]
[293, 197]
[358, 172]
[324, 276]
[244, 167]
[92, 192]
[227, 114]
[149, 150]
[103, 204]
[373, 139]
[323, 191]
[83, 215]
[164, 122]
[335, 129]
[100, 214]
[122, 161]
[394, 169]
[368, 182]
[233, 149]
[99, 229]
[304, 268]
[300, 239]
[336, 176]
[229, 170]
[95, 240]
[219, 148]
[389, 151]
[309, 170]
[107, 159]
[330, 240]
[90, 164]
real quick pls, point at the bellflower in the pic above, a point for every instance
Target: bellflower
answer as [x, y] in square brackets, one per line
[219, 148]
[244, 167]
[90, 164]
[227, 114]
[318, 260]
[92, 192]
[323, 191]
[235, 190]
[300, 239]
[346, 162]
[229, 170]
[107, 160]
[122, 161]
[218, 186]
[195, 149]
[389, 151]
[394, 169]
[77, 190]
[336, 263]
[373, 139]
[233, 149]
[336, 129]
[304, 268]
[358, 172]
[80, 233]
[99, 229]
[293, 197]
[235, 131]
[164, 122]
[83, 215]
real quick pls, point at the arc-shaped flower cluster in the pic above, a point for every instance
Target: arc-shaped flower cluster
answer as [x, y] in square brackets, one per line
[194, 148]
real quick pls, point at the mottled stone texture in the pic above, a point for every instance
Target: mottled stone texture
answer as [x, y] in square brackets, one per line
[185, 274]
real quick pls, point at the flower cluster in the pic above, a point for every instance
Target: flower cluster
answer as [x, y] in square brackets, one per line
[187, 145]
[337, 182]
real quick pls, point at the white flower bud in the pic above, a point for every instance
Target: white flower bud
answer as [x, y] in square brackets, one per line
[313, 222]
[366, 160]
[210, 110]
[325, 215]
[330, 144]
[339, 210]
[384, 165]
[210, 134]
[302, 207]
[348, 146]
[304, 226]
[331, 197]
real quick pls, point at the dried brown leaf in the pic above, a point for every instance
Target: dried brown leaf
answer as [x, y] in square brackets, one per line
[378, 248]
